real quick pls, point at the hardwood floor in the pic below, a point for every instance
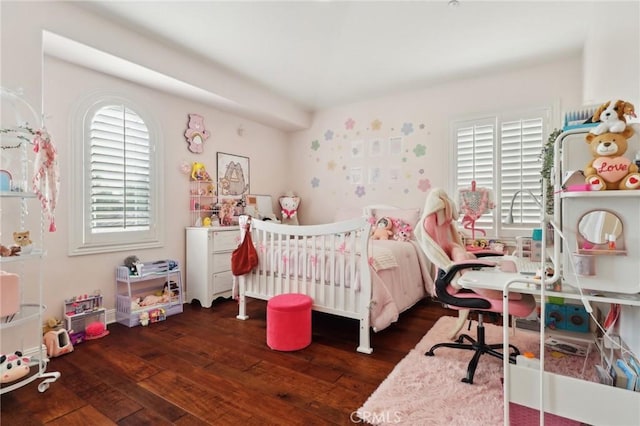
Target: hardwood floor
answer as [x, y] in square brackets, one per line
[206, 367]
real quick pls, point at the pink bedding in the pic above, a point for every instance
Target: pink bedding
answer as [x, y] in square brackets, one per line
[396, 289]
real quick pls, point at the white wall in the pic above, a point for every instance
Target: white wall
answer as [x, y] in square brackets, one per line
[430, 112]
[61, 84]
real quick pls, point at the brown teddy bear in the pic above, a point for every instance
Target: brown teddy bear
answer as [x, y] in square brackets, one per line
[609, 169]
[382, 230]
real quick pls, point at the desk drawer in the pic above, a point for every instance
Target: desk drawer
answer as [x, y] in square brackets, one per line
[225, 240]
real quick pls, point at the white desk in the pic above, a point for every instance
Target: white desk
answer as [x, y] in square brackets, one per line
[553, 393]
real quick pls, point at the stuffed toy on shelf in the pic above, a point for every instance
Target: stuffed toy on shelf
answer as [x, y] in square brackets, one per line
[610, 169]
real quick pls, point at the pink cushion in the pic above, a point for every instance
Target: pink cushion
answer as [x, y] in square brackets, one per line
[289, 322]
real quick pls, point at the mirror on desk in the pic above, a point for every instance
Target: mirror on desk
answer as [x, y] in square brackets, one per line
[259, 206]
[596, 225]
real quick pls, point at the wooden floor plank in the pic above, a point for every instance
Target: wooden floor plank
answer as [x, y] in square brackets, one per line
[204, 366]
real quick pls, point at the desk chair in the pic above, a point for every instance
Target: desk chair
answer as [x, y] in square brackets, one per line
[437, 234]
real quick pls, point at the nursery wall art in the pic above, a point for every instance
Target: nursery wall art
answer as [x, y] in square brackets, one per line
[196, 134]
[233, 175]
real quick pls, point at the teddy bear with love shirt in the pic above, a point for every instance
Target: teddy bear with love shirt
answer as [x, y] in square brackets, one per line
[610, 169]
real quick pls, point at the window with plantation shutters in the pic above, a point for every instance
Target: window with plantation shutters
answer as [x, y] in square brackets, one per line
[476, 160]
[117, 186]
[120, 161]
[502, 153]
[520, 168]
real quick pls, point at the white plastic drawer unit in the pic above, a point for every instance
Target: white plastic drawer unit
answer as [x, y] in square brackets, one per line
[224, 241]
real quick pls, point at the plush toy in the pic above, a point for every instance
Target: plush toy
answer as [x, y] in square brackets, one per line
[289, 205]
[9, 251]
[609, 169]
[13, 367]
[196, 133]
[402, 231]
[51, 324]
[226, 212]
[611, 116]
[22, 238]
[199, 172]
[382, 230]
[132, 262]
[144, 319]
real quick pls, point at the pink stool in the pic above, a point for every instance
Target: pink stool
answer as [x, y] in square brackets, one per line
[289, 322]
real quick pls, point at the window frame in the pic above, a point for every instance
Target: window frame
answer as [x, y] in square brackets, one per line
[493, 221]
[82, 241]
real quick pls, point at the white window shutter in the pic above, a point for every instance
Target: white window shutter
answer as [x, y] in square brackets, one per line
[520, 148]
[120, 171]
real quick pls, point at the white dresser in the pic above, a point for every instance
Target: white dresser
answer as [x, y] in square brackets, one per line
[209, 262]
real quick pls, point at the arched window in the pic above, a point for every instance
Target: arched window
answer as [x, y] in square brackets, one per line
[117, 184]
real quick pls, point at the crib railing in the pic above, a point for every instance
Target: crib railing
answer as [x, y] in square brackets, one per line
[327, 262]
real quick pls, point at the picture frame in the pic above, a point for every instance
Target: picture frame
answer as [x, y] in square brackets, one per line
[233, 175]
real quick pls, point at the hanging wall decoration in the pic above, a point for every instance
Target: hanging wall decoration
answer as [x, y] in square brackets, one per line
[196, 133]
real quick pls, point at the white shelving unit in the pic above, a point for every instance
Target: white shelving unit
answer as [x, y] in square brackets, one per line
[616, 279]
[202, 200]
[152, 279]
[20, 210]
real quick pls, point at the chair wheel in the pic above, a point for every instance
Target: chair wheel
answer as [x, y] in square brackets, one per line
[429, 353]
[467, 381]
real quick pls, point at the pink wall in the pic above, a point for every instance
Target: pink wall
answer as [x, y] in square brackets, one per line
[321, 159]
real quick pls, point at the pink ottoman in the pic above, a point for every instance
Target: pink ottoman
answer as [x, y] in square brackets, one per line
[289, 322]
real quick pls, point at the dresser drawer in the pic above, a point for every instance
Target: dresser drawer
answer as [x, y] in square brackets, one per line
[225, 240]
[220, 283]
[221, 262]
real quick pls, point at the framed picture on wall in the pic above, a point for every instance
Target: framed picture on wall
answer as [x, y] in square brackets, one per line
[233, 175]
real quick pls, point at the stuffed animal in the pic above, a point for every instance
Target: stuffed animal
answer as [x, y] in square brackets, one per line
[131, 262]
[402, 231]
[22, 238]
[144, 319]
[23, 241]
[609, 169]
[289, 205]
[382, 230]
[199, 172]
[226, 212]
[9, 251]
[611, 116]
[13, 367]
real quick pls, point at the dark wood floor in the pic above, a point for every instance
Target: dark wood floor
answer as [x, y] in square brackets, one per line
[206, 367]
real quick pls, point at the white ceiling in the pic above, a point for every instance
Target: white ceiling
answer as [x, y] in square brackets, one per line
[321, 54]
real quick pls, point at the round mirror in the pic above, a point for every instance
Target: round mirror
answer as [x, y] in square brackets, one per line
[596, 225]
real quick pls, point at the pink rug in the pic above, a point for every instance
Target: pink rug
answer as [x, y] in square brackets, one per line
[428, 391]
